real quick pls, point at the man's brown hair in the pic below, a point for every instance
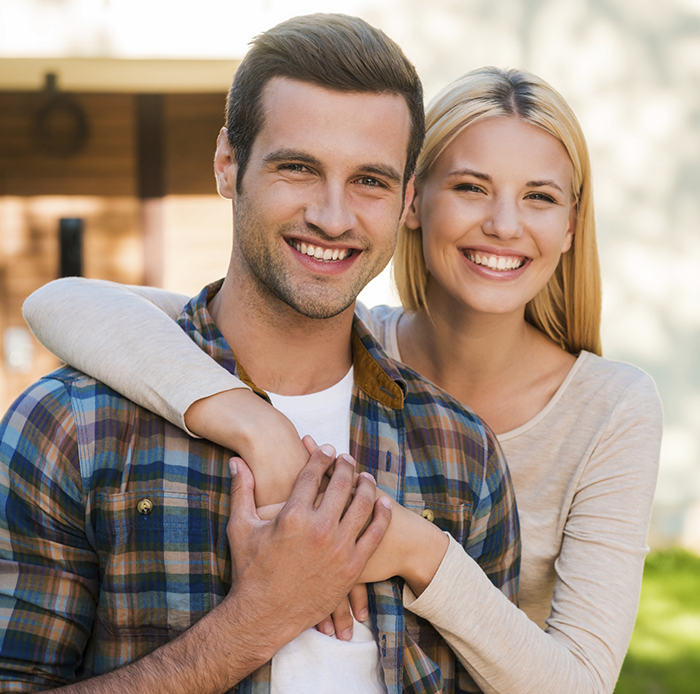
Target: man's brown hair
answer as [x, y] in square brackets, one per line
[334, 51]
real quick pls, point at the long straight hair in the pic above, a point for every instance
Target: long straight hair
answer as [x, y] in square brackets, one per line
[568, 308]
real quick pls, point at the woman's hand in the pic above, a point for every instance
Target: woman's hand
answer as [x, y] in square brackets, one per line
[412, 548]
[243, 422]
[340, 622]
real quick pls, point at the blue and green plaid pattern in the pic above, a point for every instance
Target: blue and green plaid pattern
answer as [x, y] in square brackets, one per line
[89, 583]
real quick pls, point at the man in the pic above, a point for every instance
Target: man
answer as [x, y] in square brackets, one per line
[114, 532]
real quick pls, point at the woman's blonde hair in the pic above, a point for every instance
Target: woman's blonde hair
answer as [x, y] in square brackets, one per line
[567, 309]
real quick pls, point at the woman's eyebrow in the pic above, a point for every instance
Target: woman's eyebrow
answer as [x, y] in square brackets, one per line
[541, 184]
[470, 172]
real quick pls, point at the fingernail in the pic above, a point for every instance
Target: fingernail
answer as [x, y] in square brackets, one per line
[348, 459]
[384, 501]
[346, 635]
[328, 629]
[233, 466]
[328, 450]
[364, 613]
[367, 476]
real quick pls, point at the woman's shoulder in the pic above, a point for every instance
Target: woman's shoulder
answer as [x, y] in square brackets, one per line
[595, 370]
[621, 384]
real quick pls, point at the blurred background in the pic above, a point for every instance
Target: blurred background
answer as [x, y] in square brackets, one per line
[109, 112]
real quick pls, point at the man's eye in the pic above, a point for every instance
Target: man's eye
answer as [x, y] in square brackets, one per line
[370, 181]
[294, 167]
[467, 188]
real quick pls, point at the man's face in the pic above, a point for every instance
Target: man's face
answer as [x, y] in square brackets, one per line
[322, 195]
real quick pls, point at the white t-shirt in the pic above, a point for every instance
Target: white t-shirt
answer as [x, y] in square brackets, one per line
[314, 662]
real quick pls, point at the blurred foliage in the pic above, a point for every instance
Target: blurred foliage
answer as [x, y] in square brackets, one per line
[664, 655]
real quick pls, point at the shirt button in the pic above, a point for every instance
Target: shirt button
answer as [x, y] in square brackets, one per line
[144, 507]
[428, 515]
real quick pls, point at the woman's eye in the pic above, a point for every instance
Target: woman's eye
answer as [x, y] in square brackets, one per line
[541, 196]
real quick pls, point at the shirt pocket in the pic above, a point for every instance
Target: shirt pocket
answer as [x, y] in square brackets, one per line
[452, 518]
[154, 550]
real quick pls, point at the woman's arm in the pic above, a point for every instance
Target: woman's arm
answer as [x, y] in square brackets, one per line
[127, 337]
[599, 571]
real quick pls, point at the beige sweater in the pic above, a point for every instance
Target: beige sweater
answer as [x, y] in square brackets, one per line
[584, 471]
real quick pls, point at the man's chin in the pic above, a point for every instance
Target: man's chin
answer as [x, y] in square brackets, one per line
[321, 311]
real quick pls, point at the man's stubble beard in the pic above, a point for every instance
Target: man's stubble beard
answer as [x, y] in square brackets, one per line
[318, 297]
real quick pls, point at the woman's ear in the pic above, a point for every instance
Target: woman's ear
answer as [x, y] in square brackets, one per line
[412, 216]
[569, 235]
[225, 167]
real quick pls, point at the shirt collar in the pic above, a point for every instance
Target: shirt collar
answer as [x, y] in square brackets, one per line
[375, 373]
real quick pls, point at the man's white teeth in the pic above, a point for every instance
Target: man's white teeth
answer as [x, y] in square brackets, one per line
[496, 262]
[320, 253]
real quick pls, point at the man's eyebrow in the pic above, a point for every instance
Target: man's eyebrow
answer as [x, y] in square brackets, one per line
[280, 155]
[388, 172]
[290, 155]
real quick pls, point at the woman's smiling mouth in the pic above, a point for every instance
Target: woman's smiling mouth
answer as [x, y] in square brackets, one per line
[495, 262]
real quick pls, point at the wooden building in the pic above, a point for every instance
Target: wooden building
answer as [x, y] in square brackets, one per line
[123, 150]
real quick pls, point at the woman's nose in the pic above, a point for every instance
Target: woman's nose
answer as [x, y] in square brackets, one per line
[503, 220]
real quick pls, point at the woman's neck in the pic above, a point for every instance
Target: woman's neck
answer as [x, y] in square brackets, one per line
[498, 364]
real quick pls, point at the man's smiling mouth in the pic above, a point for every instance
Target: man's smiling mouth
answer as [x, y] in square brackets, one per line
[320, 253]
[496, 262]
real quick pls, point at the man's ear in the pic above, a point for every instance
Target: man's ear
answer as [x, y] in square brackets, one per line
[408, 198]
[412, 216]
[225, 167]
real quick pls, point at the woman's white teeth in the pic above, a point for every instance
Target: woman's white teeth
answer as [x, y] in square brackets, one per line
[320, 253]
[496, 262]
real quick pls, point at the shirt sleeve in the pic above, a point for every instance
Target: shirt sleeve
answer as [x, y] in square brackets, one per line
[127, 337]
[598, 575]
[494, 533]
[48, 568]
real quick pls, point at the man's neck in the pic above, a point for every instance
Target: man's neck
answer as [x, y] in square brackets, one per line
[281, 350]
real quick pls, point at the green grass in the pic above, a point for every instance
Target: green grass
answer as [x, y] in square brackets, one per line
[664, 655]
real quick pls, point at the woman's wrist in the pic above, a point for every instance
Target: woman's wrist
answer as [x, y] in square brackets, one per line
[243, 422]
[424, 547]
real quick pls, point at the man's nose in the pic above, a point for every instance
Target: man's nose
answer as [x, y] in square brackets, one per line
[503, 220]
[330, 210]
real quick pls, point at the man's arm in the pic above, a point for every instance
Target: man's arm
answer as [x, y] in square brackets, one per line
[288, 573]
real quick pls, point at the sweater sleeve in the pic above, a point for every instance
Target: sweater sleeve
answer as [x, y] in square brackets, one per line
[598, 574]
[127, 337]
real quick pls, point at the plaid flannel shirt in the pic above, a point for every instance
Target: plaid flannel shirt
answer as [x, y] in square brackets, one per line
[113, 521]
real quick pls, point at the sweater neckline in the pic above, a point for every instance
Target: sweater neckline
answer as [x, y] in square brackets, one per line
[578, 365]
[392, 347]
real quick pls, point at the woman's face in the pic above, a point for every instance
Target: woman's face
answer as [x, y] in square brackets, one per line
[496, 213]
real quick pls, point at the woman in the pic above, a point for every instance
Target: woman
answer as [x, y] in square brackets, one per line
[498, 274]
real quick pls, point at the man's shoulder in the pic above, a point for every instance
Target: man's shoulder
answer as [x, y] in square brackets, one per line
[425, 399]
[63, 396]
[425, 403]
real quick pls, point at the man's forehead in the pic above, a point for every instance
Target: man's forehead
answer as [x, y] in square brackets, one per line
[303, 112]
